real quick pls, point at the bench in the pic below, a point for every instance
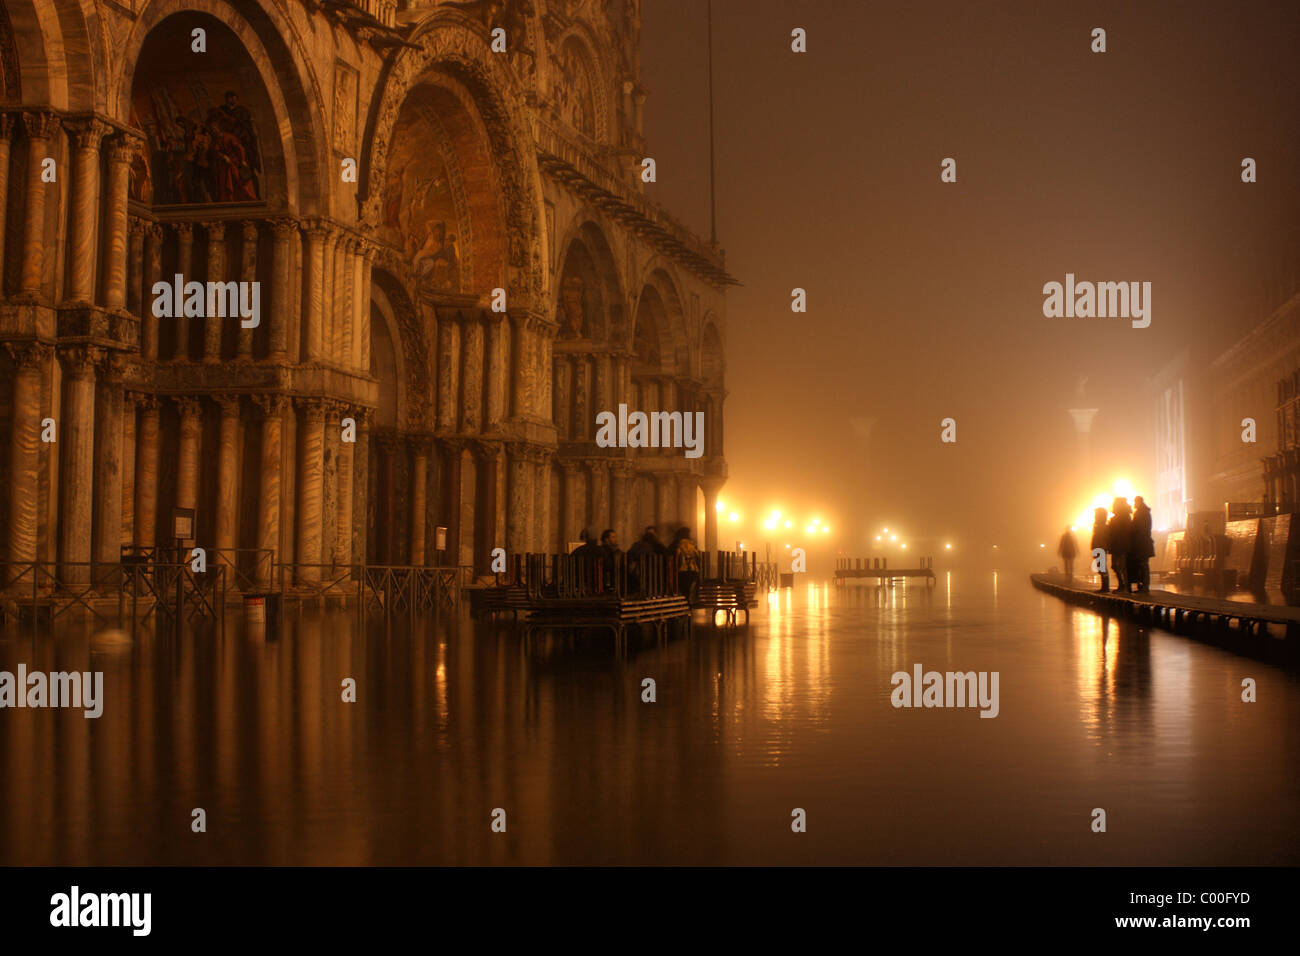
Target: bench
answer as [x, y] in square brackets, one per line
[729, 597]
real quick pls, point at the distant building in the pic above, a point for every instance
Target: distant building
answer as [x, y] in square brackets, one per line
[1201, 404]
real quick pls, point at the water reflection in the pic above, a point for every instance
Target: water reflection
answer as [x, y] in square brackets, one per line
[454, 718]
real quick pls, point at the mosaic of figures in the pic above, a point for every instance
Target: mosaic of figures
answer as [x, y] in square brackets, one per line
[419, 214]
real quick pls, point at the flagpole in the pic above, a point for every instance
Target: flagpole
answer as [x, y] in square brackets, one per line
[713, 209]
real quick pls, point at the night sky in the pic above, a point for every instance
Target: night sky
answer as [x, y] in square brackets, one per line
[925, 298]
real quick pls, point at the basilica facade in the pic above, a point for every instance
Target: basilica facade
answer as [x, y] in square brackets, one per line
[441, 207]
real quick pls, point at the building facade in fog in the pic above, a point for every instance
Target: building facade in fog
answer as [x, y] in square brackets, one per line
[1203, 463]
[452, 248]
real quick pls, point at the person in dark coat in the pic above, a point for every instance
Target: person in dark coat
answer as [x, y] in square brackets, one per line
[589, 555]
[1119, 532]
[1142, 548]
[611, 555]
[646, 547]
[1067, 549]
[1100, 539]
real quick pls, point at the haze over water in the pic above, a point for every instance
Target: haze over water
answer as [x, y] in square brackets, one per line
[454, 720]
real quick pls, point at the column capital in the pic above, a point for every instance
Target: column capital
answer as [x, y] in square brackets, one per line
[184, 230]
[217, 226]
[317, 230]
[598, 466]
[189, 408]
[487, 451]
[228, 402]
[6, 125]
[390, 442]
[122, 148]
[284, 228]
[154, 231]
[80, 360]
[249, 228]
[313, 409]
[86, 132]
[144, 401]
[136, 226]
[40, 125]
[112, 366]
[271, 405]
[27, 355]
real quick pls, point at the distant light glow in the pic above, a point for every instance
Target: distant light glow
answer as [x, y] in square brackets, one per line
[789, 524]
[893, 537]
[720, 506]
[734, 517]
[826, 529]
[947, 547]
[877, 537]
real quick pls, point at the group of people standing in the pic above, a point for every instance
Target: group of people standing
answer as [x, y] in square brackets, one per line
[683, 551]
[1126, 536]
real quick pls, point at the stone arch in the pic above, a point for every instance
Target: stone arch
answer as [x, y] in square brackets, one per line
[296, 105]
[576, 74]
[660, 301]
[56, 54]
[392, 313]
[447, 45]
[387, 360]
[441, 212]
[586, 258]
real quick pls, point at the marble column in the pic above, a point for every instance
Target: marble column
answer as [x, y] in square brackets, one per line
[216, 273]
[153, 273]
[312, 341]
[187, 463]
[361, 488]
[451, 497]
[248, 274]
[126, 524]
[84, 214]
[687, 501]
[561, 393]
[109, 399]
[604, 385]
[227, 524]
[489, 456]
[77, 462]
[448, 368]
[146, 475]
[620, 381]
[24, 450]
[620, 521]
[497, 385]
[285, 231]
[711, 489]
[135, 297]
[520, 498]
[471, 394]
[665, 504]
[120, 151]
[310, 489]
[6, 139]
[40, 128]
[541, 516]
[419, 498]
[522, 355]
[344, 490]
[268, 503]
[599, 471]
[573, 503]
[356, 302]
[184, 263]
[583, 423]
[368, 252]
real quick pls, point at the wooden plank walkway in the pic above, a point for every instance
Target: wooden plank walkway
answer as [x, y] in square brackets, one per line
[1266, 631]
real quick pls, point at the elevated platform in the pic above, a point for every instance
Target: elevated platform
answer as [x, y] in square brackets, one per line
[1268, 632]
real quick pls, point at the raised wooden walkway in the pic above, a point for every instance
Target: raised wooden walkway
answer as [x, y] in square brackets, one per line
[1269, 632]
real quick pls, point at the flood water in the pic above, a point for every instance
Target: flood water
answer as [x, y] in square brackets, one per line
[453, 720]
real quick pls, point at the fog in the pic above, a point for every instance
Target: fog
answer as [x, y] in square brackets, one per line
[925, 299]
